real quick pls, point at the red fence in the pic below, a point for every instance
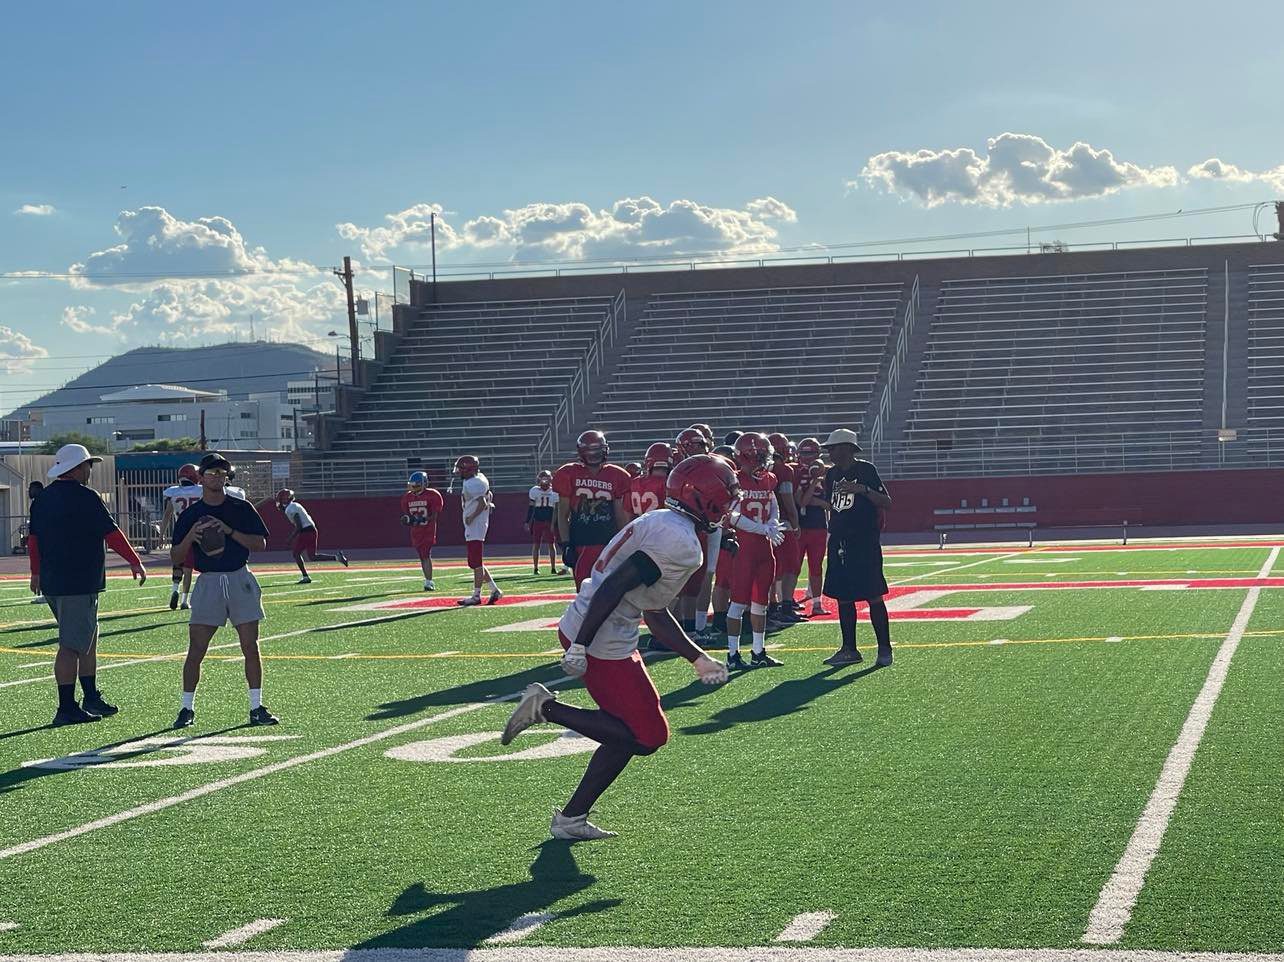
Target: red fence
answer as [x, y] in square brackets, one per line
[1169, 498]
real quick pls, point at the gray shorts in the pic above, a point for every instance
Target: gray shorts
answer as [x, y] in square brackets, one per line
[219, 597]
[77, 617]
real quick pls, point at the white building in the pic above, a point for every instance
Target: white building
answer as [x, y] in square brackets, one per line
[150, 412]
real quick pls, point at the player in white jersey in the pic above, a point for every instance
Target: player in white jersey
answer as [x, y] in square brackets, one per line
[303, 537]
[178, 497]
[477, 504]
[541, 520]
[637, 575]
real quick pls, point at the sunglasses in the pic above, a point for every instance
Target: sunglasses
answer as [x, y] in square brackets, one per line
[217, 472]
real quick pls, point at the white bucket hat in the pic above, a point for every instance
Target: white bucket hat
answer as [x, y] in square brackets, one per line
[71, 456]
[842, 436]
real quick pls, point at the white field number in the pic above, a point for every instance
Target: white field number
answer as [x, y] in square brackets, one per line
[163, 750]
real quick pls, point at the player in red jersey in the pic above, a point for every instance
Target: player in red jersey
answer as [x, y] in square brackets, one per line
[592, 503]
[789, 554]
[646, 493]
[813, 521]
[541, 519]
[756, 517]
[633, 469]
[421, 506]
[693, 605]
[636, 578]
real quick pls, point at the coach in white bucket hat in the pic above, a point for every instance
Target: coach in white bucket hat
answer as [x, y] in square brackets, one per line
[70, 457]
[842, 436]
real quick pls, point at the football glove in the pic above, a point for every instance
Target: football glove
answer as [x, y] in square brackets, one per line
[775, 532]
[569, 555]
[575, 661]
[711, 672]
[730, 543]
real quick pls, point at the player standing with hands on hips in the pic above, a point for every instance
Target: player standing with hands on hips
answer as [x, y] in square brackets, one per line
[854, 495]
[220, 532]
[637, 576]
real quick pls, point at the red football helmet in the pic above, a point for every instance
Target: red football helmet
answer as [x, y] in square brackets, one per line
[544, 479]
[284, 497]
[188, 472]
[692, 441]
[657, 456]
[633, 469]
[592, 448]
[809, 450]
[752, 451]
[703, 488]
[466, 466]
[779, 446]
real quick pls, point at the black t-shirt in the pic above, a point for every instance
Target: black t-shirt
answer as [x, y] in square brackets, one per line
[238, 515]
[70, 522]
[854, 515]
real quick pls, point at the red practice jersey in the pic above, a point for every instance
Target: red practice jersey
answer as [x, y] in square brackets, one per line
[591, 495]
[756, 495]
[420, 506]
[647, 494]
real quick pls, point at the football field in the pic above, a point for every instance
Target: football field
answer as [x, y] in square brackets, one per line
[1079, 751]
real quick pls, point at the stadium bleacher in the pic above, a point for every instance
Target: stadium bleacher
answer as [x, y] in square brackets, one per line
[1266, 346]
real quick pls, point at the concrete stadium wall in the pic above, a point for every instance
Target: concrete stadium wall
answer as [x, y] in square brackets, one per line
[1159, 499]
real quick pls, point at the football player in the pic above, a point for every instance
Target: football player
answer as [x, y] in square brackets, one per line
[635, 578]
[812, 520]
[693, 605]
[303, 537]
[788, 563]
[592, 503]
[421, 506]
[540, 520]
[647, 492]
[178, 498]
[756, 516]
[477, 503]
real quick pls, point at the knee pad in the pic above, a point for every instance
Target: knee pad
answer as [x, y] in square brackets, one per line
[735, 610]
[757, 609]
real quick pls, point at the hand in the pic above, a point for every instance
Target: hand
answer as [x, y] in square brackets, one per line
[711, 672]
[569, 555]
[139, 573]
[575, 661]
[730, 543]
[775, 532]
[35, 584]
[526, 528]
[407, 520]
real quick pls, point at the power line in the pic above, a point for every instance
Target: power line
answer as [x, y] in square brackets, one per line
[327, 375]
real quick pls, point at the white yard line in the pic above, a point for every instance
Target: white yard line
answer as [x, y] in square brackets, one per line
[937, 572]
[1114, 906]
[243, 934]
[806, 927]
[521, 928]
[8, 926]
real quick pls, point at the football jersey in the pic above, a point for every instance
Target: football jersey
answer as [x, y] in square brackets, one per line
[476, 489]
[232, 491]
[670, 541]
[757, 497]
[786, 474]
[299, 516]
[419, 506]
[543, 503]
[592, 495]
[647, 494]
[813, 516]
[183, 496]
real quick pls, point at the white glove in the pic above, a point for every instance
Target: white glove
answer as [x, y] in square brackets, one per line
[575, 661]
[711, 672]
[775, 532]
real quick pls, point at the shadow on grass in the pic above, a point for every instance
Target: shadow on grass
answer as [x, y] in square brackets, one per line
[17, 777]
[102, 617]
[786, 698]
[45, 642]
[351, 599]
[488, 689]
[467, 919]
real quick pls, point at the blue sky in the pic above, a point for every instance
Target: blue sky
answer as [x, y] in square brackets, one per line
[272, 139]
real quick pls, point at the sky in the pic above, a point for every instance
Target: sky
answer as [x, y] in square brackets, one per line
[189, 174]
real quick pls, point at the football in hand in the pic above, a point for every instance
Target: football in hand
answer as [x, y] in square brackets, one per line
[213, 541]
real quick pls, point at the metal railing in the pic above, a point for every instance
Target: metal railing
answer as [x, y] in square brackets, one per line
[894, 369]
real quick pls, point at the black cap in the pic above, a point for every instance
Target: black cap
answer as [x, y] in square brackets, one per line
[731, 438]
[213, 460]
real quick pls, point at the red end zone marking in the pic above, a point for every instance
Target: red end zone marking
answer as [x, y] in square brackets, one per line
[1047, 549]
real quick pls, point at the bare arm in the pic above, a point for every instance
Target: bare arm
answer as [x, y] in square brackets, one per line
[665, 627]
[564, 520]
[622, 514]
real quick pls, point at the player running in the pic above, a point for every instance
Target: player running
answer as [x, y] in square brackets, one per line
[756, 516]
[477, 504]
[592, 503]
[540, 520]
[303, 537]
[636, 577]
[421, 506]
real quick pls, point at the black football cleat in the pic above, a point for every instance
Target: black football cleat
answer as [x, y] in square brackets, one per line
[884, 658]
[261, 716]
[844, 656]
[75, 715]
[494, 597]
[186, 718]
[342, 558]
[95, 705]
[761, 659]
[173, 600]
[736, 662]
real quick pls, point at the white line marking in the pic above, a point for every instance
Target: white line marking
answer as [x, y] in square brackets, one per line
[37, 664]
[8, 926]
[971, 564]
[1114, 906]
[521, 928]
[1113, 638]
[1041, 561]
[805, 927]
[999, 641]
[243, 934]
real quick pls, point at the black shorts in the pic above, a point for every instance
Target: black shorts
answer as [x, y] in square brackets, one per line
[854, 569]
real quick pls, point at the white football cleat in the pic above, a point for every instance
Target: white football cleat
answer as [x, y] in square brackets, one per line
[469, 601]
[576, 829]
[528, 711]
[430, 585]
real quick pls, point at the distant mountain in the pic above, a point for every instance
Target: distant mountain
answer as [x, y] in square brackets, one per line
[246, 368]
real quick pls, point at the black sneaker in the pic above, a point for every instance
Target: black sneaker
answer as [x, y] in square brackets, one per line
[761, 659]
[75, 715]
[735, 662]
[186, 718]
[884, 658]
[173, 600]
[261, 716]
[95, 705]
[343, 558]
[844, 656]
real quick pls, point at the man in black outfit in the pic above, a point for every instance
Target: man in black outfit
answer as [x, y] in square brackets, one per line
[855, 495]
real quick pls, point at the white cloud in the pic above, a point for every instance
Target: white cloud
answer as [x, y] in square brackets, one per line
[632, 227]
[1215, 169]
[17, 351]
[36, 210]
[76, 318]
[1018, 168]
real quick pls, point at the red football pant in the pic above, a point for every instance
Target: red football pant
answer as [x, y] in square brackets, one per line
[542, 533]
[789, 555]
[692, 588]
[726, 568]
[813, 544]
[755, 570]
[585, 558]
[423, 540]
[475, 554]
[305, 543]
[623, 688]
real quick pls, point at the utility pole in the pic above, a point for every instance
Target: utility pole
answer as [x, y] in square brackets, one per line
[346, 276]
[432, 227]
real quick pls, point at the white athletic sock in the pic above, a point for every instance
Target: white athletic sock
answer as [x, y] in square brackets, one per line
[759, 642]
[701, 620]
[493, 586]
[733, 643]
[189, 699]
[176, 584]
[256, 698]
[183, 597]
